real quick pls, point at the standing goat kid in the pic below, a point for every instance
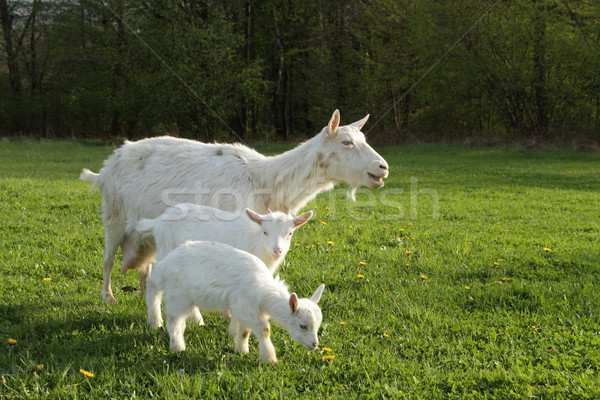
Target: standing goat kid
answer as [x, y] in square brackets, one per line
[266, 236]
[141, 179]
[216, 277]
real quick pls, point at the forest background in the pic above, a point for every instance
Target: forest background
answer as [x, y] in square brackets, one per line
[456, 70]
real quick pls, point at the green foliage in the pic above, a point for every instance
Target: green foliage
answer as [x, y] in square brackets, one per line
[477, 310]
[523, 69]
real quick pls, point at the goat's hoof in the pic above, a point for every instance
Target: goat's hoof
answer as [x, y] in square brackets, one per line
[109, 298]
[155, 324]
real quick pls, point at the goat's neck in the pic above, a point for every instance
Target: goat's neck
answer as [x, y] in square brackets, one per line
[276, 305]
[294, 177]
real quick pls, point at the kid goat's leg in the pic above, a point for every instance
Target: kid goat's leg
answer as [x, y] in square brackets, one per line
[240, 335]
[153, 300]
[265, 346]
[176, 328]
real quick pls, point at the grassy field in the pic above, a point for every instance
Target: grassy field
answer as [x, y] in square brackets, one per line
[473, 274]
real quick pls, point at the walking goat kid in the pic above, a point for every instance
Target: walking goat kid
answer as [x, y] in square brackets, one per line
[141, 179]
[266, 236]
[216, 277]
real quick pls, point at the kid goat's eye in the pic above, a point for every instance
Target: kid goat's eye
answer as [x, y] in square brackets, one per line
[265, 233]
[304, 327]
[347, 142]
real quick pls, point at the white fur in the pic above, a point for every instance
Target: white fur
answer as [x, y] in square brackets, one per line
[266, 236]
[216, 277]
[141, 179]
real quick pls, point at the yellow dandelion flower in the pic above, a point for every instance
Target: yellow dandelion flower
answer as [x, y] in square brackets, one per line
[327, 208]
[343, 323]
[496, 263]
[535, 328]
[385, 335]
[410, 224]
[408, 252]
[39, 367]
[547, 250]
[360, 276]
[498, 282]
[47, 279]
[500, 259]
[423, 277]
[318, 243]
[297, 244]
[324, 223]
[407, 265]
[467, 287]
[87, 374]
[362, 263]
[11, 341]
[506, 279]
[328, 358]
[330, 243]
[326, 350]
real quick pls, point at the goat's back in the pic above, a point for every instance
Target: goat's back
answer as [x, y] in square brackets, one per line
[214, 276]
[145, 177]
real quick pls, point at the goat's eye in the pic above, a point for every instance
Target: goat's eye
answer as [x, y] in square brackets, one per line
[347, 143]
[265, 233]
[303, 327]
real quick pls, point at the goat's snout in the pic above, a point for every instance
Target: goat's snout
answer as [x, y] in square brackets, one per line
[277, 251]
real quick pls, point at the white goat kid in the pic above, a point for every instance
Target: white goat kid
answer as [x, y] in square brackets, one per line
[141, 179]
[217, 277]
[266, 236]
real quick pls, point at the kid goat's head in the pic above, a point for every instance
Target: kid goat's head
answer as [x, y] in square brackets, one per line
[349, 158]
[305, 319]
[276, 230]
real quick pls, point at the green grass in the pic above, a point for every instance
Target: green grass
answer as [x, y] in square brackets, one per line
[496, 317]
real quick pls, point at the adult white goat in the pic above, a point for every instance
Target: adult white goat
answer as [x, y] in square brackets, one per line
[141, 179]
[217, 277]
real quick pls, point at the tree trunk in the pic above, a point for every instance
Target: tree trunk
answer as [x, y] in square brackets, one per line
[540, 94]
[6, 20]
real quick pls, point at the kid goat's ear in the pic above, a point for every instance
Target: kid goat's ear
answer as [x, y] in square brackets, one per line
[317, 294]
[302, 219]
[334, 122]
[293, 302]
[254, 216]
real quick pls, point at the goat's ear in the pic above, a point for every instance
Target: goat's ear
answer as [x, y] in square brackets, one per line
[302, 219]
[293, 302]
[317, 294]
[254, 216]
[359, 124]
[334, 122]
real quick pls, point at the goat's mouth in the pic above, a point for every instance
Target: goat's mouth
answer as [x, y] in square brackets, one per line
[376, 181]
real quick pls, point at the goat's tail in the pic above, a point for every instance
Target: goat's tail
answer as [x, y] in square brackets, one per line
[89, 176]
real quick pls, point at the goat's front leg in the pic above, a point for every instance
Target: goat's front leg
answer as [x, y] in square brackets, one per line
[265, 346]
[240, 335]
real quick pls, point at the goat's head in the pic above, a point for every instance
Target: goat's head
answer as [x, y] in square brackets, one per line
[276, 230]
[347, 156]
[305, 319]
